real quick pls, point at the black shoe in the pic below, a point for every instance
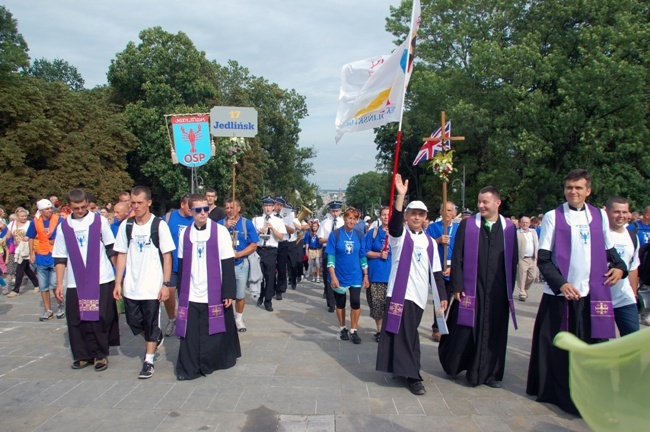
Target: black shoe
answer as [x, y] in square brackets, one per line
[377, 336]
[147, 371]
[161, 340]
[324, 296]
[260, 300]
[344, 335]
[278, 296]
[355, 338]
[416, 387]
[493, 383]
[293, 286]
[269, 308]
[330, 309]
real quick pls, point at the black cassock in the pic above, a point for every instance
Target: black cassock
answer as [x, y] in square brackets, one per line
[201, 353]
[480, 350]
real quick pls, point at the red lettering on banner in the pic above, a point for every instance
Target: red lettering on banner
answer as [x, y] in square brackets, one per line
[190, 119]
[194, 158]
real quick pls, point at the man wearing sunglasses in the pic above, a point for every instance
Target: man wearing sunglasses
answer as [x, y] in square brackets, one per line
[177, 220]
[206, 274]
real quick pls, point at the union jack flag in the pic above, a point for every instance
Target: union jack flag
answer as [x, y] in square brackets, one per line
[431, 148]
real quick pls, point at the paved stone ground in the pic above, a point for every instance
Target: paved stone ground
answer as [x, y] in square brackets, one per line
[294, 375]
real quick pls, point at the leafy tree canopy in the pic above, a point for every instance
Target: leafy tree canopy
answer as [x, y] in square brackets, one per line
[13, 48]
[537, 88]
[368, 191]
[57, 70]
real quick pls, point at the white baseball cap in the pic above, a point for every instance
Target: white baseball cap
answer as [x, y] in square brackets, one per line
[44, 204]
[417, 205]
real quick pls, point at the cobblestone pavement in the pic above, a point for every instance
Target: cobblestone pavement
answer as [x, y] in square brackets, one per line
[294, 375]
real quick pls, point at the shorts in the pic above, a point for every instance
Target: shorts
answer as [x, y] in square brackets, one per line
[46, 277]
[142, 316]
[241, 277]
[173, 280]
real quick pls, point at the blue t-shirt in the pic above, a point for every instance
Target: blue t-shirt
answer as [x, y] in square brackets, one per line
[311, 240]
[348, 251]
[361, 226]
[243, 242]
[176, 224]
[378, 269]
[434, 231]
[43, 260]
[642, 230]
[115, 226]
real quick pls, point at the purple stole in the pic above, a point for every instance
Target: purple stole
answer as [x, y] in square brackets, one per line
[86, 275]
[396, 306]
[216, 320]
[602, 309]
[467, 305]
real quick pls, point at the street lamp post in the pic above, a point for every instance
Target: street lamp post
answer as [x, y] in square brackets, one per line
[462, 187]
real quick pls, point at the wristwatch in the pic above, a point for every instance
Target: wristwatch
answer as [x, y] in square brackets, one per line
[167, 283]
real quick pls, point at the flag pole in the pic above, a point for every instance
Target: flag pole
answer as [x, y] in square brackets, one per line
[409, 70]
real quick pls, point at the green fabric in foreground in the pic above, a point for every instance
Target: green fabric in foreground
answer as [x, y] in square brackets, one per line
[610, 381]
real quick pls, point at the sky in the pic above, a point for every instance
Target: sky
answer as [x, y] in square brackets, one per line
[298, 44]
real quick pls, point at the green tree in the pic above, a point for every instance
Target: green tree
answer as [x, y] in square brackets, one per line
[53, 139]
[56, 70]
[537, 89]
[368, 190]
[13, 48]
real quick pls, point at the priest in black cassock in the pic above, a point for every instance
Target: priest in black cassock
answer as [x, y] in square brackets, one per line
[484, 265]
[205, 320]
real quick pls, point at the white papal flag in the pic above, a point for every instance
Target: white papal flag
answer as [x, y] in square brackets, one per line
[372, 90]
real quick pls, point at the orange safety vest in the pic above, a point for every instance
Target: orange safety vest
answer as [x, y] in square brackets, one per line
[43, 235]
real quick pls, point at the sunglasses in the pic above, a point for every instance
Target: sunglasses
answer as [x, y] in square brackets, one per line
[198, 210]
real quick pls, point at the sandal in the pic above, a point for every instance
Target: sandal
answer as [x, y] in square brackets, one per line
[80, 364]
[101, 364]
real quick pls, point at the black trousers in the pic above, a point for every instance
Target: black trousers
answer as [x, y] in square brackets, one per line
[268, 259]
[283, 258]
[328, 291]
[295, 262]
[23, 269]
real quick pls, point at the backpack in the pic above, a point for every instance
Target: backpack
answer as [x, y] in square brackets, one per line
[644, 266]
[153, 235]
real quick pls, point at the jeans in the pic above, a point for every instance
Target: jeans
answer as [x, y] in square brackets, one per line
[627, 319]
[46, 277]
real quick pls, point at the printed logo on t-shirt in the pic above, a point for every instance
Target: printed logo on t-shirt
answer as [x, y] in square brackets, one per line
[200, 248]
[141, 241]
[418, 252]
[180, 229]
[81, 237]
[349, 247]
[584, 233]
[646, 237]
[620, 248]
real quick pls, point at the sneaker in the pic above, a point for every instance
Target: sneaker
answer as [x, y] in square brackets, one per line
[47, 315]
[60, 311]
[241, 327]
[5, 291]
[344, 335]
[147, 371]
[170, 327]
[12, 294]
[36, 290]
[355, 338]
[161, 341]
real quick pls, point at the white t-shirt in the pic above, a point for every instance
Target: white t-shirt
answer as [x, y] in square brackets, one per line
[81, 227]
[417, 288]
[287, 220]
[580, 265]
[260, 222]
[144, 272]
[199, 277]
[622, 293]
[326, 226]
